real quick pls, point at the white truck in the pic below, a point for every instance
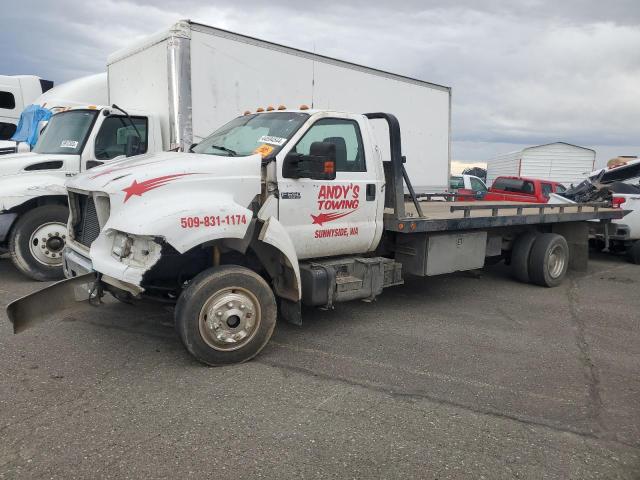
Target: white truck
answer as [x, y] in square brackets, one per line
[279, 209]
[178, 86]
[16, 92]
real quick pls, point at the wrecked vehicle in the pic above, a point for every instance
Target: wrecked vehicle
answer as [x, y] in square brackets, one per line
[616, 186]
[281, 209]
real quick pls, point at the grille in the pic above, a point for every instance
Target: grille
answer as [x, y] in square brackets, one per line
[86, 227]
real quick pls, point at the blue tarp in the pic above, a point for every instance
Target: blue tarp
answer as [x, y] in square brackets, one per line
[27, 130]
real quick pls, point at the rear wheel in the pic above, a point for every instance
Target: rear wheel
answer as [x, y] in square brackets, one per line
[549, 260]
[226, 315]
[520, 256]
[633, 252]
[37, 241]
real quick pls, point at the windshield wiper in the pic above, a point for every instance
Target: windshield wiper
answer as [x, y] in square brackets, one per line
[232, 153]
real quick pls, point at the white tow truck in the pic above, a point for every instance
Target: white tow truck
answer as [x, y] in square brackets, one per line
[172, 89]
[281, 209]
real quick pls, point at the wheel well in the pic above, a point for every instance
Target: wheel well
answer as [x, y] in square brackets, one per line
[38, 202]
[174, 270]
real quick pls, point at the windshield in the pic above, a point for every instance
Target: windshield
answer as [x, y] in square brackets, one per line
[66, 132]
[264, 133]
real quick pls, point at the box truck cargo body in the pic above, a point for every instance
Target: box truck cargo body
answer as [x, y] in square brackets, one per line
[558, 162]
[196, 77]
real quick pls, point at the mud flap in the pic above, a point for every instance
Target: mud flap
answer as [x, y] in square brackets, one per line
[42, 305]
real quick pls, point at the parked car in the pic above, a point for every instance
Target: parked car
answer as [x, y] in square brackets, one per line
[468, 187]
[521, 189]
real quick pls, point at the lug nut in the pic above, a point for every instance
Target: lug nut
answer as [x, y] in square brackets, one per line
[243, 306]
[50, 235]
[219, 314]
[229, 305]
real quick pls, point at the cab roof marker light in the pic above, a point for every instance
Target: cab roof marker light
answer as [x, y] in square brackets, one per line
[270, 108]
[259, 110]
[304, 107]
[282, 107]
[247, 112]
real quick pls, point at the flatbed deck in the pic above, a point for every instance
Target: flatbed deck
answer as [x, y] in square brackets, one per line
[440, 216]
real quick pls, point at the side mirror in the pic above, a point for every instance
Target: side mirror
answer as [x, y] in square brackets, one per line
[191, 147]
[320, 164]
[133, 146]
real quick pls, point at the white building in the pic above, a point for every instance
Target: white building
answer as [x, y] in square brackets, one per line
[559, 162]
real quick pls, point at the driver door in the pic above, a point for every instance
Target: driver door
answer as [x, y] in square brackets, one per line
[332, 217]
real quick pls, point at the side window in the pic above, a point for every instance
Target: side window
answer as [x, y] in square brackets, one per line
[547, 188]
[477, 185]
[111, 140]
[456, 183]
[7, 101]
[7, 130]
[345, 135]
[527, 187]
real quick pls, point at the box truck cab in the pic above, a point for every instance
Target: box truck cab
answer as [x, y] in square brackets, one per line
[33, 200]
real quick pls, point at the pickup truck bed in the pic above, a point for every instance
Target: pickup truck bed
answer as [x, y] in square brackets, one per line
[447, 216]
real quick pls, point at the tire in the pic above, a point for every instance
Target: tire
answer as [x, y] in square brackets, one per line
[231, 293]
[520, 256]
[36, 242]
[633, 252]
[549, 260]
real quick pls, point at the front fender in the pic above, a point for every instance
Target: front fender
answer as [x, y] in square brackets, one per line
[186, 222]
[18, 189]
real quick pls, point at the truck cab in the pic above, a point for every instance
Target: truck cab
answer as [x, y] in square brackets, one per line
[33, 200]
[521, 189]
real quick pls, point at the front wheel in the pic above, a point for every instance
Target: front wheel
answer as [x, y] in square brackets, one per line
[37, 240]
[226, 315]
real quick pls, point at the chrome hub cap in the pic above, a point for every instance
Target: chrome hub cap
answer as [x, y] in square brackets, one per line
[47, 242]
[556, 261]
[230, 319]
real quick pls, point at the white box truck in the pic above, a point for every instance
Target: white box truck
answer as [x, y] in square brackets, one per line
[16, 92]
[558, 162]
[178, 86]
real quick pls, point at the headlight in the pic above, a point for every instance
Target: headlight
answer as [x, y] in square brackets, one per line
[122, 244]
[134, 250]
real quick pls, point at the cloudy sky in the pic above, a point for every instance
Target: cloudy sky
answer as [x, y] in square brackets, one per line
[523, 72]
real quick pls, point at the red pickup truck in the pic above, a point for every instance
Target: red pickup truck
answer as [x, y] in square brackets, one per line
[520, 189]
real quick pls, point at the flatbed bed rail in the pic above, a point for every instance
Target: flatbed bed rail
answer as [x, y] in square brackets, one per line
[519, 207]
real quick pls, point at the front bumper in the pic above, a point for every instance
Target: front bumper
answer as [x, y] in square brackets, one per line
[6, 222]
[75, 264]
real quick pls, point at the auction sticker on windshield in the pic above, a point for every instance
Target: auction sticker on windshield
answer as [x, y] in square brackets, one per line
[279, 141]
[69, 144]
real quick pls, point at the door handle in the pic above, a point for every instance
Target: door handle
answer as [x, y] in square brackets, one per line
[371, 192]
